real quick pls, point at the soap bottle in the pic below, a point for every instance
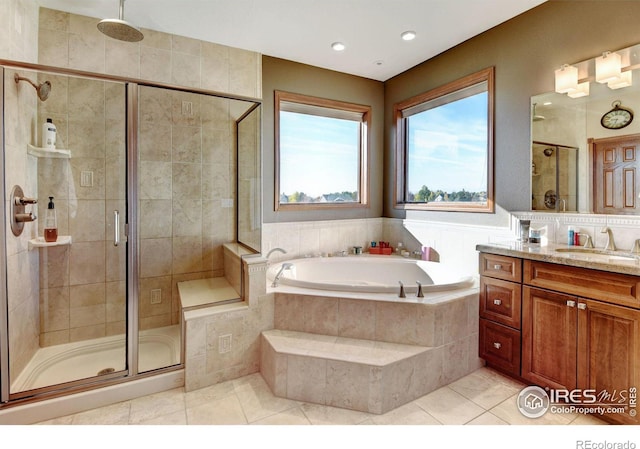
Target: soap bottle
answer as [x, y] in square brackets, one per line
[49, 134]
[50, 223]
[570, 236]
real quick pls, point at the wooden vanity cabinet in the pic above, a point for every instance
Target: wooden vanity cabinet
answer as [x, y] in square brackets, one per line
[500, 305]
[572, 341]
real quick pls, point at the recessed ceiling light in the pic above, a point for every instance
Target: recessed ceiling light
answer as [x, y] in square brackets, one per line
[378, 62]
[408, 35]
[338, 46]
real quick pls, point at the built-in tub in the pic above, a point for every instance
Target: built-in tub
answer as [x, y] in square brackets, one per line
[369, 274]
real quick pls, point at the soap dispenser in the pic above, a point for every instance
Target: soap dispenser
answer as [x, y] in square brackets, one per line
[50, 223]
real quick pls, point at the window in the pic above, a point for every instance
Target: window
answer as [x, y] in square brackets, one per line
[321, 152]
[444, 147]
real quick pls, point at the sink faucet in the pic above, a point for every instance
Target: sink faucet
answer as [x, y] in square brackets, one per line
[610, 246]
[285, 266]
[588, 243]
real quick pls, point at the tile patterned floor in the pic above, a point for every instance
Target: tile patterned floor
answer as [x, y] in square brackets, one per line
[484, 397]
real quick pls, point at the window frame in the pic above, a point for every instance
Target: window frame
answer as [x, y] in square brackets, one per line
[401, 169]
[363, 151]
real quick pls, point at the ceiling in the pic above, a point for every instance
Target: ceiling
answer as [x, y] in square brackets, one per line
[303, 30]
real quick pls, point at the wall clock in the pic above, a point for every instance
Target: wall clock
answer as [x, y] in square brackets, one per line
[618, 117]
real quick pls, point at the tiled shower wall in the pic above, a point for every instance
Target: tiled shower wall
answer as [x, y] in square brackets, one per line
[82, 286]
[187, 176]
[187, 164]
[18, 40]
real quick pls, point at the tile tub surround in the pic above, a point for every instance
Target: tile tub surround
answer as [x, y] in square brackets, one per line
[412, 348]
[454, 242]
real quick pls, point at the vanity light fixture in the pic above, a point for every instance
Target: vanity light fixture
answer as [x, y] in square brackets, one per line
[338, 46]
[625, 80]
[408, 35]
[581, 91]
[566, 79]
[608, 67]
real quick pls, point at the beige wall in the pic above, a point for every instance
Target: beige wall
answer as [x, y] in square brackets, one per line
[279, 74]
[525, 52]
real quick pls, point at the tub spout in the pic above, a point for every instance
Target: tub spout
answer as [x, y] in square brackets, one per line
[401, 293]
[419, 294]
[274, 250]
[285, 266]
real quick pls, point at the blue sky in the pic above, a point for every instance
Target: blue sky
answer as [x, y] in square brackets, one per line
[309, 148]
[449, 146]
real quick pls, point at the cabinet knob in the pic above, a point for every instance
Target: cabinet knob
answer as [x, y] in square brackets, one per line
[571, 303]
[582, 306]
[497, 302]
[497, 267]
[497, 345]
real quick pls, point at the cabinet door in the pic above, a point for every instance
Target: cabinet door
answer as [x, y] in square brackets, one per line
[609, 353]
[549, 336]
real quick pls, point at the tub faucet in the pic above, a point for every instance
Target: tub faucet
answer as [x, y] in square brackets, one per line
[401, 293]
[419, 294]
[274, 250]
[285, 266]
[610, 246]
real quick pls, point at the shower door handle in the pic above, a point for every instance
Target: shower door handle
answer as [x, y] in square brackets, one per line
[116, 228]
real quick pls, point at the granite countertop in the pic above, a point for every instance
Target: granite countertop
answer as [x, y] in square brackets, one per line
[575, 256]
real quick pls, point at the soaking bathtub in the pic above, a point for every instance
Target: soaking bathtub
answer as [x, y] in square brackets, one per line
[369, 274]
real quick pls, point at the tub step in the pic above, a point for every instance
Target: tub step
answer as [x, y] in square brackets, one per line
[364, 375]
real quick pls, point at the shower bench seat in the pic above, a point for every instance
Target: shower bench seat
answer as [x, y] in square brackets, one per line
[201, 293]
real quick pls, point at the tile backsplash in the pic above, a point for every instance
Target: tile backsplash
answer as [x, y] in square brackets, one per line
[555, 226]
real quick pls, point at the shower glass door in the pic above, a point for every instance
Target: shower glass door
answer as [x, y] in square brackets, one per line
[66, 300]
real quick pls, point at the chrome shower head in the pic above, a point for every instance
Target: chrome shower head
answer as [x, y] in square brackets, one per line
[119, 28]
[43, 90]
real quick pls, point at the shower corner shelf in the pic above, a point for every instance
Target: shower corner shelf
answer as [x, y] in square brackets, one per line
[48, 152]
[40, 243]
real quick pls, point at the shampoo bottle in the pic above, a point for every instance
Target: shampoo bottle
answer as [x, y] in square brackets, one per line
[49, 134]
[570, 236]
[50, 223]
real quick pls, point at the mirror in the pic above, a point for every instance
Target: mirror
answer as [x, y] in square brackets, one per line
[570, 124]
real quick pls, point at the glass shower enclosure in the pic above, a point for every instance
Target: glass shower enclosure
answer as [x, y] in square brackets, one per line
[144, 182]
[554, 180]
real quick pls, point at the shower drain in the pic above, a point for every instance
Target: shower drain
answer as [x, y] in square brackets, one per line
[106, 371]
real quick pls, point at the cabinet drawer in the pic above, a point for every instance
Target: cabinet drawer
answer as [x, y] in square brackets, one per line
[615, 288]
[500, 301]
[501, 267]
[500, 346]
